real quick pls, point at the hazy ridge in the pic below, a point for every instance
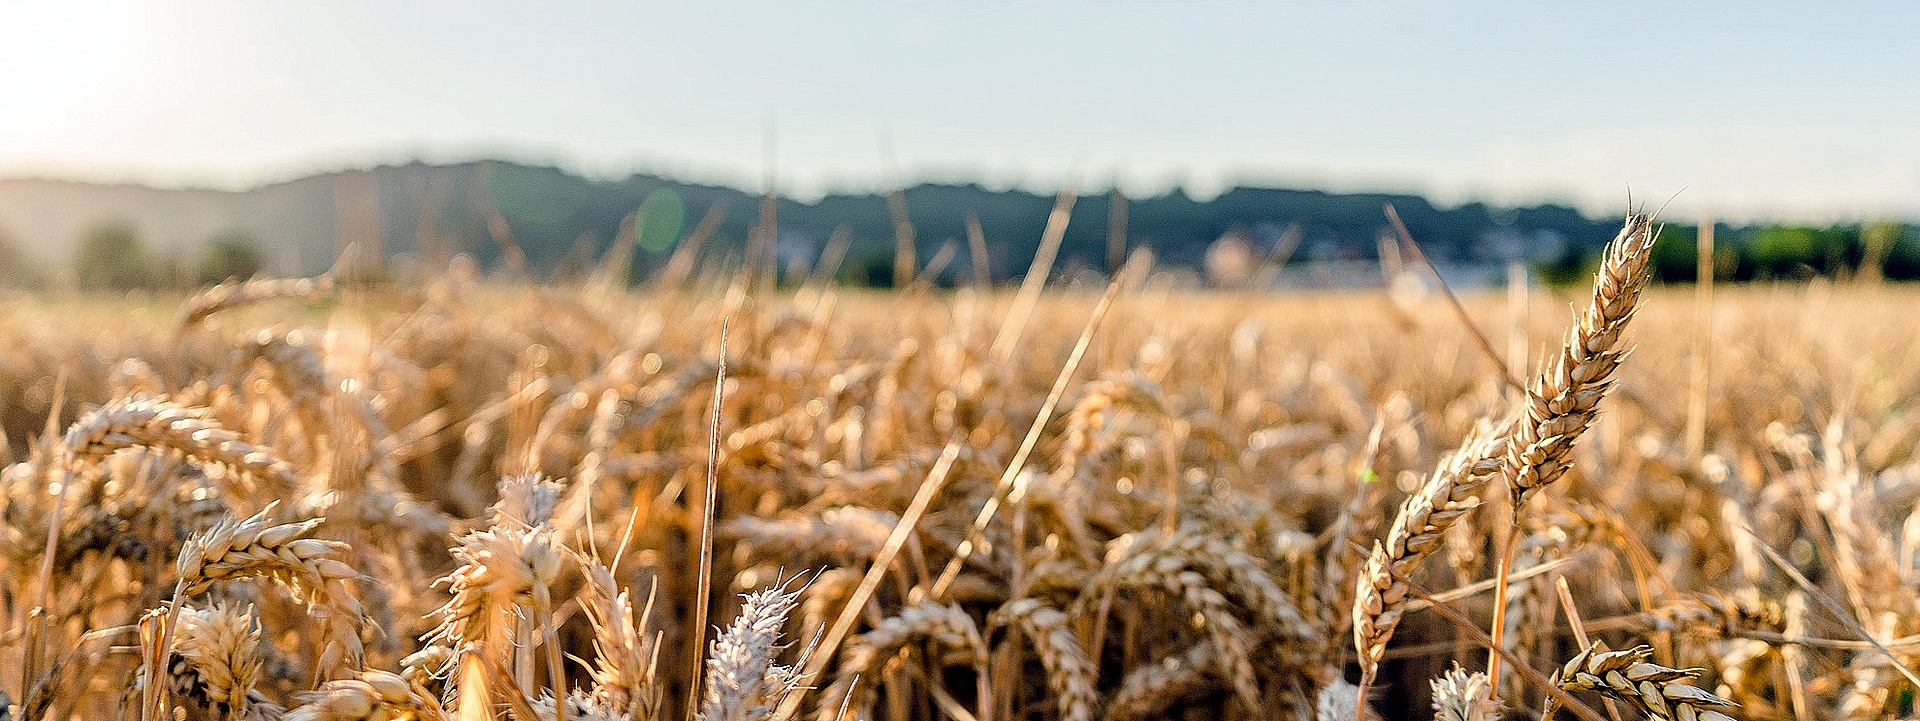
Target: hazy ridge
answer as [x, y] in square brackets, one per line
[431, 211]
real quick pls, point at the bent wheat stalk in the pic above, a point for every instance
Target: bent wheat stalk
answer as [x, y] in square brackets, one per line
[1565, 397]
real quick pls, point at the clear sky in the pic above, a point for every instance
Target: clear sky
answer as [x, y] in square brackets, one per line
[1759, 110]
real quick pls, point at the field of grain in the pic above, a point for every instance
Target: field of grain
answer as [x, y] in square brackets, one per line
[482, 500]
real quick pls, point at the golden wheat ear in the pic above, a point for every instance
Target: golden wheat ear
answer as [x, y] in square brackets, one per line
[1631, 676]
[1565, 397]
[744, 682]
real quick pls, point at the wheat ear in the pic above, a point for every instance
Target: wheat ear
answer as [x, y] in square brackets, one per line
[1462, 696]
[626, 661]
[1070, 674]
[499, 570]
[1565, 397]
[236, 294]
[1629, 676]
[948, 626]
[288, 554]
[155, 422]
[1148, 691]
[1418, 530]
[218, 659]
[370, 696]
[743, 682]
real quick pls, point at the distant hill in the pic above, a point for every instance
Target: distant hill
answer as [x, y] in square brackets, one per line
[562, 220]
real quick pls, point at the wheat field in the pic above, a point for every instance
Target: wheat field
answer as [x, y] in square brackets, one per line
[309, 500]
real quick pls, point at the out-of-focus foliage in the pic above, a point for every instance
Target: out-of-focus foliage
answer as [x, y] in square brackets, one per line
[111, 257]
[1771, 252]
[233, 255]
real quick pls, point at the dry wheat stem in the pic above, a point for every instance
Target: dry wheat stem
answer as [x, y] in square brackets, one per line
[975, 533]
[704, 577]
[843, 623]
[1565, 397]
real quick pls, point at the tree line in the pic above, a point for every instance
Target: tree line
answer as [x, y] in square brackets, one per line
[555, 225]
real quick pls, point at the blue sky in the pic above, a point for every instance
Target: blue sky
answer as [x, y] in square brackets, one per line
[1759, 110]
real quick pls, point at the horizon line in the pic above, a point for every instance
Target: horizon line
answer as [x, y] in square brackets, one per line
[680, 175]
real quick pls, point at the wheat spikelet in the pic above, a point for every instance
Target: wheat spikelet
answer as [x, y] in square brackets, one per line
[823, 597]
[526, 501]
[287, 554]
[1462, 696]
[1657, 691]
[841, 533]
[430, 662]
[133, 376]
[580, 707]
[743, 682]
[1868, 689]
[1088, 415]
[1070, 674]
[1728, 616]
[625, 660]
[1340, 701]
[299, 370]
[1565, 397]
[152, 422]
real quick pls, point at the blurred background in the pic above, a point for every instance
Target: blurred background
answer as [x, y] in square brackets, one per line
[153, 145]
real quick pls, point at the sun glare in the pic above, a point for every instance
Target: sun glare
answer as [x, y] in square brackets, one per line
[62, 61]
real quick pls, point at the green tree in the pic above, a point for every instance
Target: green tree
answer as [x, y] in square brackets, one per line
[111, 257]
[232, 255]
[1783, 250]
